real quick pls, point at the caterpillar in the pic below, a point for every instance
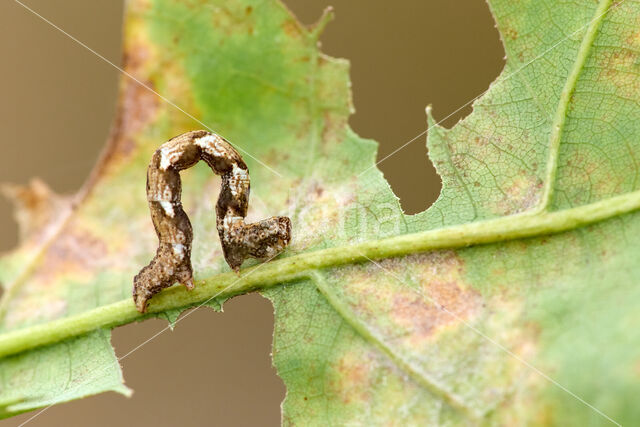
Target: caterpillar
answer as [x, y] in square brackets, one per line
[172, 262]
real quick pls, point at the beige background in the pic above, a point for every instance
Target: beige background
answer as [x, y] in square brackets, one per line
[56, 107]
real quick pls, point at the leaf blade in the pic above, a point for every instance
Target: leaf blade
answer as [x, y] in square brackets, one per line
[282, 97]
[79, 367]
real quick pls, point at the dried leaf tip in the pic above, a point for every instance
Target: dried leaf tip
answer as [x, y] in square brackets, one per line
[172, 262]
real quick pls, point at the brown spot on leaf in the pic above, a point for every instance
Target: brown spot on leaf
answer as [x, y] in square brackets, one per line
[353, 379]
[333, 127]
[320, 212]
[420, 295]
[231, 20]
[37, 208]
[74, 252]
[511, 33]
[292, 28]
[443, 298]
[138, 108]
[480, 141]
[521, 194]
[633, 40]
[620, 67]
[521, 56]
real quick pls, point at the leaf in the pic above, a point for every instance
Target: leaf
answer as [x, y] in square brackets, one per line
[512, 300]
[78, 367]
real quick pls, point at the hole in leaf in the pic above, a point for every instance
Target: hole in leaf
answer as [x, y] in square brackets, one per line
[405, 55]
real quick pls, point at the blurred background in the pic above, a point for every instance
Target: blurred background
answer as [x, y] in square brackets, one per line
[57, 104]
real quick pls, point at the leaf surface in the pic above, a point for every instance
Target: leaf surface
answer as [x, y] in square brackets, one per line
[77, 367]
[537, 330]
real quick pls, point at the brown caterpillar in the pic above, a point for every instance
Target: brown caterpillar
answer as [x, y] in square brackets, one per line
[172, 262]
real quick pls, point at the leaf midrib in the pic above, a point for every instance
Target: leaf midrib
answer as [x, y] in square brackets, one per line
[298, 267]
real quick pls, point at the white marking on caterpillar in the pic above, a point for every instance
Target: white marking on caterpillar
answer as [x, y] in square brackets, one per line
[212, 144]
[168, 157]
[178, 250]
[168, 208]
[239, 181]
[239, 240]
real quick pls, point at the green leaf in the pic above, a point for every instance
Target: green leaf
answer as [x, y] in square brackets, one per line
[512, 300]
[77, 367]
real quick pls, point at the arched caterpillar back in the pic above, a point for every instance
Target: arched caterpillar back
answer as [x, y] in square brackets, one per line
[172, 263]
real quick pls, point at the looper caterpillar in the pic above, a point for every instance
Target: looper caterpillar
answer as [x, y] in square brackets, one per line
[172, 262]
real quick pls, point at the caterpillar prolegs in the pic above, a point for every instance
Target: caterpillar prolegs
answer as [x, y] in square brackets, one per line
[172, 262]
